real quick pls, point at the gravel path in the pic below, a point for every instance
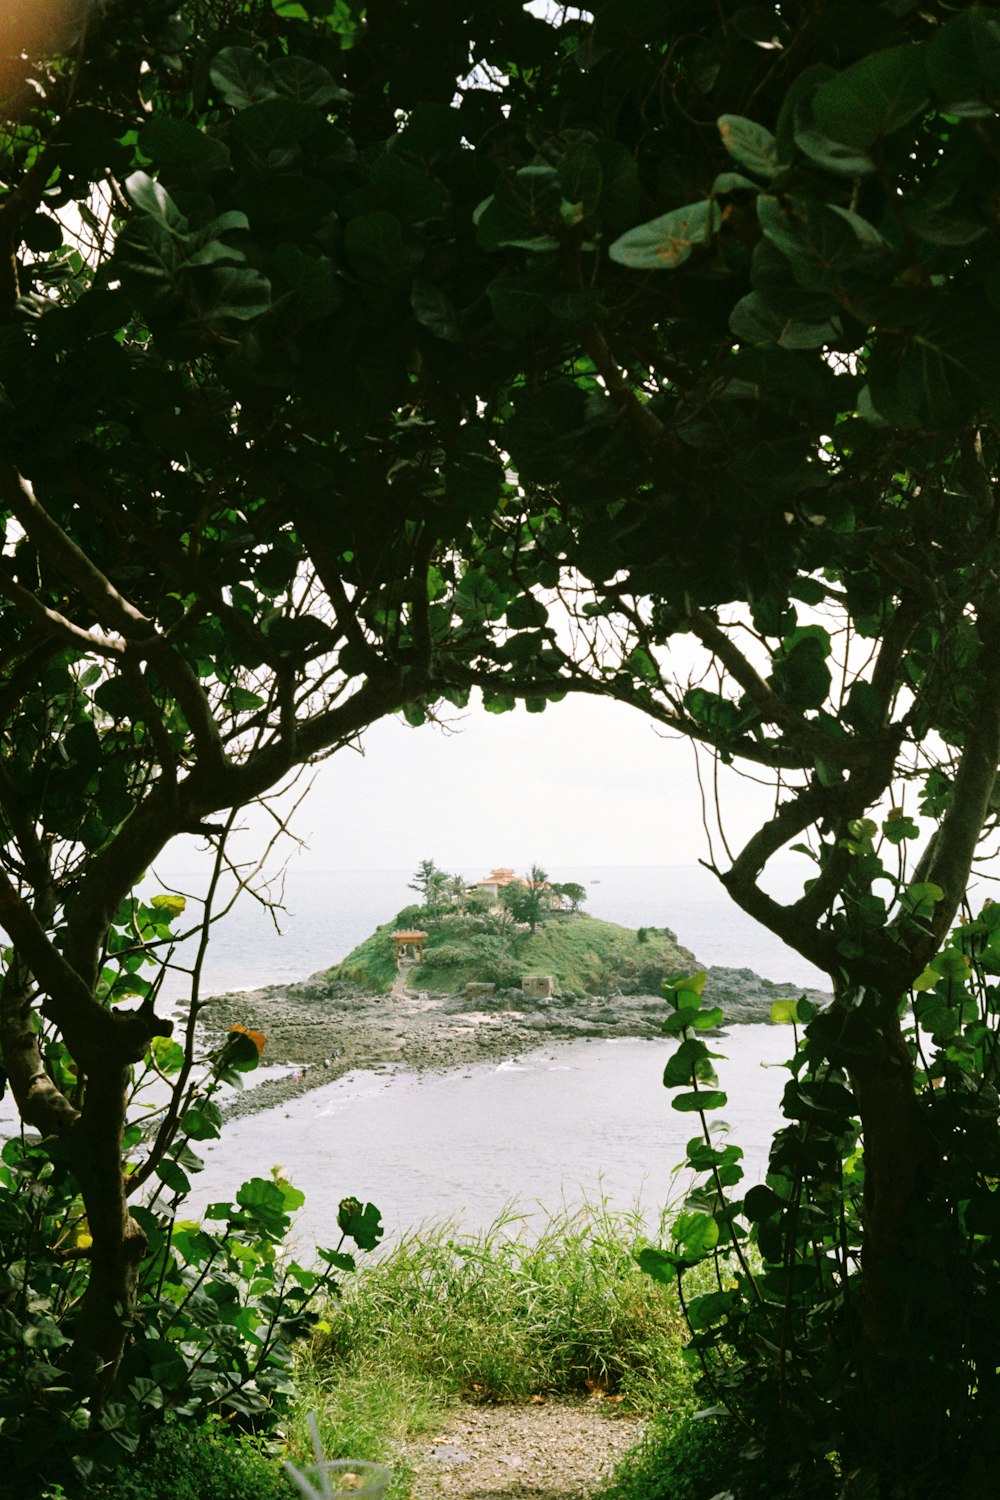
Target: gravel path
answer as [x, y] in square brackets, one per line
[554, 1448]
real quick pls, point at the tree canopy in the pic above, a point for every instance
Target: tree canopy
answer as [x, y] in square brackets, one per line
[352, 360]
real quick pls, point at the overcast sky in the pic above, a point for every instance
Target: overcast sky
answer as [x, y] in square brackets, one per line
[587, 782]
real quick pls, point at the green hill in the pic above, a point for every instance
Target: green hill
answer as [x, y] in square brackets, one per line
[581, 953]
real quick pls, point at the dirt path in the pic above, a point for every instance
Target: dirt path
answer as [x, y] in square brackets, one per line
[552, 1450]
[399, 990]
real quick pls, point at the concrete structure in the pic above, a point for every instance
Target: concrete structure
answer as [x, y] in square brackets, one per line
[409, 945]
[479, 991]
[537, 986]
[494, 882]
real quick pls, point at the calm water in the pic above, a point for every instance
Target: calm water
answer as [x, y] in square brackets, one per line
[554, 1127]
[551, 1127]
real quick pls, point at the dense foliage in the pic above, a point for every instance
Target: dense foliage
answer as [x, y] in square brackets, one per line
[351, 361]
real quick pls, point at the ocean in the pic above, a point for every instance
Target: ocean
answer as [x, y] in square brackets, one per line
[540, 1132]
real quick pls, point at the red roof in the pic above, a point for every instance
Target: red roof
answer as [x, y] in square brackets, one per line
[408, 937]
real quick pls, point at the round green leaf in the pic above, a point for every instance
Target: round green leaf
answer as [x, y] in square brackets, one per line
[873, 97]
[749, 144]
[668, 241]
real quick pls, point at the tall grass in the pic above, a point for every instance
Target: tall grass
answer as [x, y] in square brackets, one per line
[498, 1315]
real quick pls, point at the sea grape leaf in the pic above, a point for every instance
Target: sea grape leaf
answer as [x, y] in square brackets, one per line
[665, 243]
[874, 96]
[750, 144]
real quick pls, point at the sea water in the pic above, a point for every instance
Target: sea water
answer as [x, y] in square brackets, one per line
[549, 1128]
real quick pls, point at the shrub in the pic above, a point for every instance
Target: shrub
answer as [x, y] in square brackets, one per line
[204, 1463]
[694, 1459]
[409, 917]
[218, 1308]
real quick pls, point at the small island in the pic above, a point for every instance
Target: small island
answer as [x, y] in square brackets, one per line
[476, 973]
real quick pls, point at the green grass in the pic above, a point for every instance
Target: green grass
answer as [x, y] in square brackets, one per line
[443, 1316]
[504, 1316]
[582, 953]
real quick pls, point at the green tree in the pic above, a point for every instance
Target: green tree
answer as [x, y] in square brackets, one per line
[246, 509]
[528, 899]
[750, 254]
[342, 357]
[429, 882]
[574, 893]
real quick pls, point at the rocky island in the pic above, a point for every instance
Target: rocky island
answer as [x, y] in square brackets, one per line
[444, 986]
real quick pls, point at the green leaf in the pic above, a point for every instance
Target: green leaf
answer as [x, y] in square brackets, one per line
[182, 147]
[847, 161]
[873, 97]
[703, 1157]
[710, 1308]
[168, 905]
[698, 1233]
[298, 78]
[522, 212]
[661, 1265]
[790, 1012]
[172, 1176]
[241, 77]
[687, 991]
[434, 309]
[265, 1202]
[312, 278]
[939, 372]
[963, 63]
[242, 701]
[691, 1060]
[164, 1361]
[733, 182]
[750, 144]
[275, 125]
[226, 294]
[582, 176]
[705, 1099]
[375, 245]
[362, 1225]
[666, 242]
[153, 198]
[705, 1020]
[922, 897]
[517, 302]
[899, 828]
[754, 321]
[762, 1203]
[199, 1125]
[167, 1054]
[525, 612]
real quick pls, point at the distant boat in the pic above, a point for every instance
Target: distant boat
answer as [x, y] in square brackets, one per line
[595, 882]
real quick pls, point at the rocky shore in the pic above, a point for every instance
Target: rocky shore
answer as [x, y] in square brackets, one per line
[321, 1029]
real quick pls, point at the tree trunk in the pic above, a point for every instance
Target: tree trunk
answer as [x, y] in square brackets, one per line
[118, 1242]
[907, 1379]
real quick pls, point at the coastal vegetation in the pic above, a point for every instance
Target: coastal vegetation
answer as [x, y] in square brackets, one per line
[448, 1316]
[355, 359]
[495, 941]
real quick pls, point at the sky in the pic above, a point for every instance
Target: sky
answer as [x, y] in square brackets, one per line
[586, 782]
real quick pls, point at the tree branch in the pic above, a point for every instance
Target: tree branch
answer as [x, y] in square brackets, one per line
[951, 851]
[846, 751]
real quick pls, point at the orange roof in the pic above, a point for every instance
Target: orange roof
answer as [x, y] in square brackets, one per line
[407, 937]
